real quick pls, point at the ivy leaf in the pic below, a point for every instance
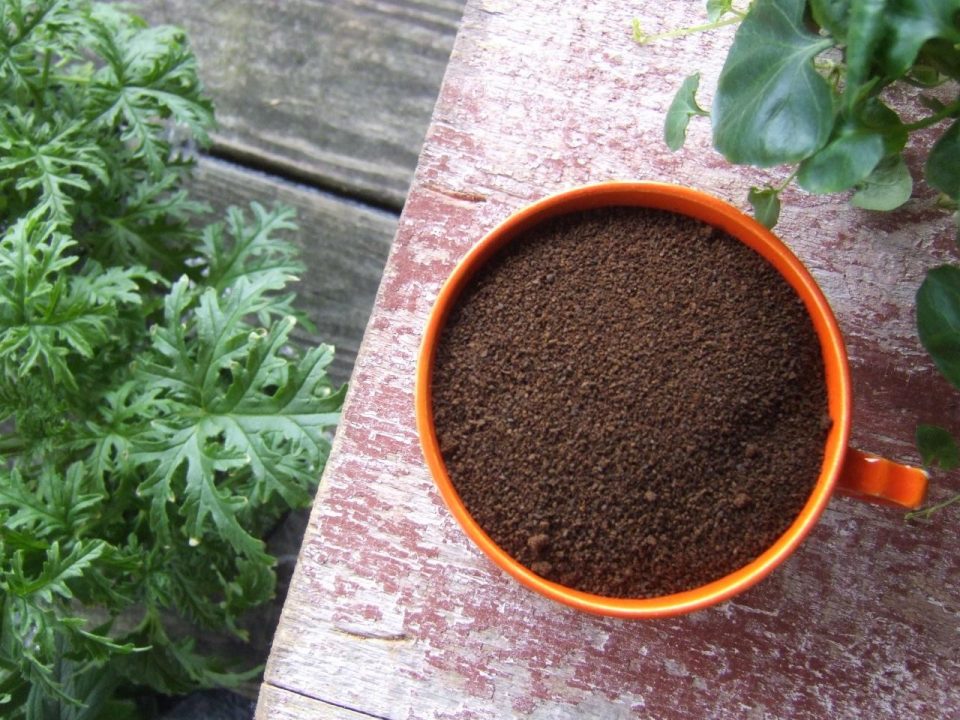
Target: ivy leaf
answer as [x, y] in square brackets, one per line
[938, 60]
[683, 107]
[888, 187]
[716, 9]
[876, 116]
[937, 447]
[943, 162]
[938, 319]
[856, 152]
[772, 106]
[766, 205]
[910, 24]
[844, 162]
[865, 31]
[833, 16]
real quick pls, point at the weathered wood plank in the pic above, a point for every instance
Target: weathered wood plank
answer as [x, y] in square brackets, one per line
[392, 611]
[344, 246]
[282, 704]
[337, 93]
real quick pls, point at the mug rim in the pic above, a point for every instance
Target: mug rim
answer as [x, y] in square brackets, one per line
[707, 208]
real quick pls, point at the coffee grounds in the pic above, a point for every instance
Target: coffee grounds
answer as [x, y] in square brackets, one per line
[630, 402]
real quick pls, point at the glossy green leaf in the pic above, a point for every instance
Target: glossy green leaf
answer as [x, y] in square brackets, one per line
[938, 56]
[925, 76]
[938, 319]
[832, 15]
[766, 205]
[888, 187]
[842, 164]
[683, 107]
[943, 163]
[866, 29]
[771, 105]
[876, 116]
[937, 447]
[911, 23]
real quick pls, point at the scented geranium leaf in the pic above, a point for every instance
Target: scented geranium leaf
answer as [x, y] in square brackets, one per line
[188, 462]
[833, 16]
[910, 24]
[843, 163]
[48, 315]
[937, 447]
[239, 405]
[938, 319]
[50, 163]
[53, 505]
[943, 163]
[124, 415]
[153, 430]
[149, 226]
[15, 540]
[91, 685]
[24, 507]
[279, 419]
[201, 337]
[888, 187]
[683, 107]
[174, 667]
[172, 370]
[248, 249]
[149, 75]
[255, 251]
[56, 573]
[766, 205]
[28, 30]
[771, 105]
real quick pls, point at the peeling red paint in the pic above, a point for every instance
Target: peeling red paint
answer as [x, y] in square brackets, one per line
[394, 612]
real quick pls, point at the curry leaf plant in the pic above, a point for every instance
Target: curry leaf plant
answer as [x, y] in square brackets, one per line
[805, 84]
[156, 417]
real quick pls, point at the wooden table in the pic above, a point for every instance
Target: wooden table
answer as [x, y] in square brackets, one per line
[392, 613]
[322, 105]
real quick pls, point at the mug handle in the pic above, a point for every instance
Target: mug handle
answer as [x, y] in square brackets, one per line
[875, 479]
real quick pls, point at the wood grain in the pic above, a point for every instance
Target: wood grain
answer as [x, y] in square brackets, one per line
[344, 247]
[285, 705]
[393, 612]
[336, 93]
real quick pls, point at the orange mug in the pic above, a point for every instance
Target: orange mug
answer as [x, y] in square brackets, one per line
[844, 469]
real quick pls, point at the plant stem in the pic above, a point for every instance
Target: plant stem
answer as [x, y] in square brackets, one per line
[941, 114]
[925, 513]
[642, 38]
[782, 186]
